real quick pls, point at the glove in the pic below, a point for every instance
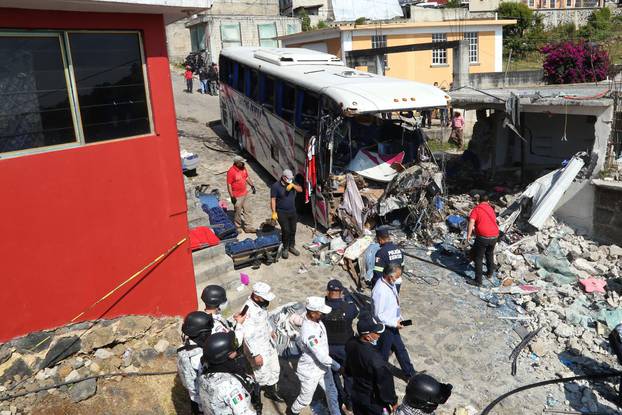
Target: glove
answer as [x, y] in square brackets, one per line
[253, 189]
[290, 187]
[274, 216]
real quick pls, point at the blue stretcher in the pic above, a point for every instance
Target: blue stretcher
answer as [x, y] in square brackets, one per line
[266, 249]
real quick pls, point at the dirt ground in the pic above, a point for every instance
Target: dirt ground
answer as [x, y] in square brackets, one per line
[455, 336]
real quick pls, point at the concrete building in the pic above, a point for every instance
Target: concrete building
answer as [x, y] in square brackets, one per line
[317, 10]
[485, 38]
[556, 122]
[89, 164]
[556, 12]
[239, 23]
[178, 43]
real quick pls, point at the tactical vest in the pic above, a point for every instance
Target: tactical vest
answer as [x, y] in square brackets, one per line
[338, 328]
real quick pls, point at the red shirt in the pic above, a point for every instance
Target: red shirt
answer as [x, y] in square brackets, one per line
[188, 74]
[485, 220]
[237, 179]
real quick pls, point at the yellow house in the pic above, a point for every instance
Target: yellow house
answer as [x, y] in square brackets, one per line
[485, 46]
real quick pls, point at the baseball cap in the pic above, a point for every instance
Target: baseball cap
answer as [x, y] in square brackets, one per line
[317, 304]
[263, 290]
[239, 159]
[287, 173]
[368, 325]
[382, 231]
[334, 285]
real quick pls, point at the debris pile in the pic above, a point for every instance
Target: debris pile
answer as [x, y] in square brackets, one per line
[124, 345]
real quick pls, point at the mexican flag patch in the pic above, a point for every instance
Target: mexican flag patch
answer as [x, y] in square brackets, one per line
[236, 398]
[313, 341]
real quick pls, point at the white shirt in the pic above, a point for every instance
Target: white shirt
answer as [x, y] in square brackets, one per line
[386, 303]
[314, 344]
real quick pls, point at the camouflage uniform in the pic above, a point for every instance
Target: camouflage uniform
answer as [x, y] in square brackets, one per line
[404, 409]
[223, 394]
[257, 333]
[315, 367]
[222, 325]
[189, 368]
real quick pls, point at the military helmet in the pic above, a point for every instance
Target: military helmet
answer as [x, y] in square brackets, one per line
[213, 296]
[218, 346]
[426, 393]
[198, 325]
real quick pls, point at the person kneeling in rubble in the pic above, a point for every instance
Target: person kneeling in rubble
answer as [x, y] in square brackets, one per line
[483, 221]
[423, 395]
[196, 329]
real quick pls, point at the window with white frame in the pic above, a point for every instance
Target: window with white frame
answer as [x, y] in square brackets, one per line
[552, 4]
[230, 35]
[291, 28]
[267, 34]
[439, 56]
[380, 41]
[472, 38]
[568, 3]
[48, 104]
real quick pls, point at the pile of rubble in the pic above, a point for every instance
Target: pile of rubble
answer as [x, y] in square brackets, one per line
[125, 345]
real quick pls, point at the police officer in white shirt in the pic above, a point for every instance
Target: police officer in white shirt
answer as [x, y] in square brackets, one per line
[315, 365]
[386, 302]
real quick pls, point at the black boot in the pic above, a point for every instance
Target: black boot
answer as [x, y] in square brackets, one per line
[271, 392]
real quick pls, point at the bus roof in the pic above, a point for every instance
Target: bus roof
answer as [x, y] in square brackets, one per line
[322, 73]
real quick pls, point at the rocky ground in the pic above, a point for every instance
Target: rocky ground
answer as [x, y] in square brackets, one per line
[460, 334]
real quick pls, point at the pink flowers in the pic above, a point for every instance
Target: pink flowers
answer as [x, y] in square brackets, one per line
[569, 62]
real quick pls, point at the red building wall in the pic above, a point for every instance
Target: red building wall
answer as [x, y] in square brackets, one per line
[76, 223]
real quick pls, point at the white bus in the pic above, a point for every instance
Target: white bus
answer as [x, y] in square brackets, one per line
[306, 111]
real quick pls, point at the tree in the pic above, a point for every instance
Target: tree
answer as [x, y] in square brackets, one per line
[305, 20]
[569, 62]
[360, 21]
[526, 34]
[598, 27]
[453, 4]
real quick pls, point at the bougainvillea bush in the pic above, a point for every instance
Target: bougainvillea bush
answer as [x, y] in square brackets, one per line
[569, 62]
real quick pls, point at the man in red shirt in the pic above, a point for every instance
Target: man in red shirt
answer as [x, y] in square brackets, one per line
[237, 178]
[484, 221]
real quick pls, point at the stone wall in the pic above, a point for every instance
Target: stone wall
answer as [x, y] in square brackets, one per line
[178, 41]
[555, 17]
[608, 213]
[501, 79]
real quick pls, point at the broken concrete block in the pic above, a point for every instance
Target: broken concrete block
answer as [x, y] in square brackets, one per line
[615, 251]
[74, 375]
[564, 330]
[541, 347]
[585, 265]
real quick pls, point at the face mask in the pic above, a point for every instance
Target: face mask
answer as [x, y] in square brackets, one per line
[262, 303]
[373, 342]
[223, 306]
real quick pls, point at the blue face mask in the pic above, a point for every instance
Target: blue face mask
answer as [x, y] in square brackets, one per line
[373, 342]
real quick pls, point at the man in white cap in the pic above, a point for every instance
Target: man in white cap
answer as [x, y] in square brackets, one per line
[258, 341]
[283, 204]
[315, 365]
[237, 181]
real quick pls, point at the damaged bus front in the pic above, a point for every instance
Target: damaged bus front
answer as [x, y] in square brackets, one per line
[306, 111]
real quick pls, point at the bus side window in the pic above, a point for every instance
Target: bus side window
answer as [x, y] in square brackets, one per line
[247, 81]
[289, 102]
[268, 97]
[254, 87]
[307, 106]
[236, 81]
[225, 70]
